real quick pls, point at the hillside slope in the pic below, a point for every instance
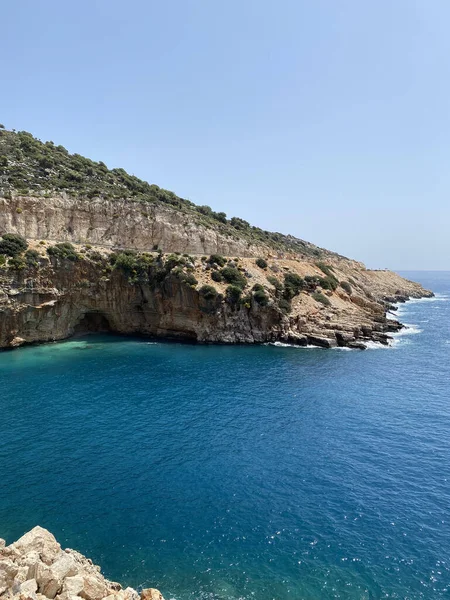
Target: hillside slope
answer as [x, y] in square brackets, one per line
[88, 249]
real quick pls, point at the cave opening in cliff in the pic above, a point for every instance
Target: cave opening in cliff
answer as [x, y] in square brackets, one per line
[92, 322]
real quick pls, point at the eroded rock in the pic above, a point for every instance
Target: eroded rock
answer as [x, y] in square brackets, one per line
[36, 568]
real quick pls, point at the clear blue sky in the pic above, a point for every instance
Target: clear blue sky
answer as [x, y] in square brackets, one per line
[326, 119]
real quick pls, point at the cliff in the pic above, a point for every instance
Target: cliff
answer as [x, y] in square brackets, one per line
[36, 568]
[50, 292]
[86, 248]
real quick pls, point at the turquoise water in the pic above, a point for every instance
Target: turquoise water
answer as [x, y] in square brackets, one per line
[216, 472]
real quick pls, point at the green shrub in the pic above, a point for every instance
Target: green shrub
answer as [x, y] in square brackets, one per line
[258, 288]
[216, 276]
[2, 260]
[346, 286]
[293, 284]
[261, 297]
[32, 257]
[217, 259]
[17, 262]
[208, 292]
[328, 282]
[190, 279]
[246, 301]
[234, 277]
[261, 263]
[12, 244]
[326, 269]
[284, 305]
[64, 250]
[233, 294]
[318, 297]
[275, 282]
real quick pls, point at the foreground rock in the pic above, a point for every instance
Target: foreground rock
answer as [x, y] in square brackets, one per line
[36, 568]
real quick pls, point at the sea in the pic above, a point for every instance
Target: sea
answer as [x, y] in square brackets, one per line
[239, 472]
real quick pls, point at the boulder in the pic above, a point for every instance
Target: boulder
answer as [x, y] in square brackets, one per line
[151, 594]
[41, 541]
[94, 588]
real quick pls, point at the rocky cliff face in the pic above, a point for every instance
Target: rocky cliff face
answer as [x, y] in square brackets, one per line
[54, 298]
[121, 223]
[36, 568]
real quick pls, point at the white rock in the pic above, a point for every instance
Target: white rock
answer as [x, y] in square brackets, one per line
[41, 541]
[73, 585]
[65, 566]
[94, 588]
[8, 570]
[47, 583]
[131, 594]
[28, 587]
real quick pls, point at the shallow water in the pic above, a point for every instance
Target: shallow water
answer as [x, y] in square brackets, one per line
[221, 472]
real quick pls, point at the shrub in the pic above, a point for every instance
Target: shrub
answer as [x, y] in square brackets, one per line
[258, 288]
[318, 297]
[234, 277]
[95, 256]
[190, 279]
[275, 282]
[293, 284]
[32, 257]
[261, 263]
[3, 161]
[216, 276]
[246, 301]
[2, 260]
[328, 282]
[233, 294]
[346, 286]
[12, 244]
[284, 305]
[217, 259]
[326, 269]
[64, 250]
[261, 297]
[17, 262]
[208, 292]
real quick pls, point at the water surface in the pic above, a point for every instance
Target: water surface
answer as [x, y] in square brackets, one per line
[216, 472]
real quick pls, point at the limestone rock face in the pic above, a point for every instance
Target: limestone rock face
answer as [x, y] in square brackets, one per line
[35, 568]
[121, 223]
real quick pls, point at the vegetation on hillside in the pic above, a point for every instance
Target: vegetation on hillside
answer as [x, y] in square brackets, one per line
[29, 166]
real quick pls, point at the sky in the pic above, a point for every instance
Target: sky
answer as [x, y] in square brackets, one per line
[326, 119]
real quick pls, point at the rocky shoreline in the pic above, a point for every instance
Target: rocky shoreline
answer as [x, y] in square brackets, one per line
[52, 297]
[36, 568]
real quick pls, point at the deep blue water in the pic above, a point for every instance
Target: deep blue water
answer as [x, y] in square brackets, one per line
[219, 472]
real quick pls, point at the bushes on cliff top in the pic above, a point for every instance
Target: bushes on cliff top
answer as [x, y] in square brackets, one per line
[208, 292]
[233, 294]
[12, 244]
[32, 258]
[64, 250]
[217, 259]
[234, 277]
[261, 297]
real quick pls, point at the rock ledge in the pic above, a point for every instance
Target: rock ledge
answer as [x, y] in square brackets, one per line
[36, 568]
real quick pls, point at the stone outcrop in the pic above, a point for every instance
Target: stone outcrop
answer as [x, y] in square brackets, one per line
[118, 223]
[36, 568]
